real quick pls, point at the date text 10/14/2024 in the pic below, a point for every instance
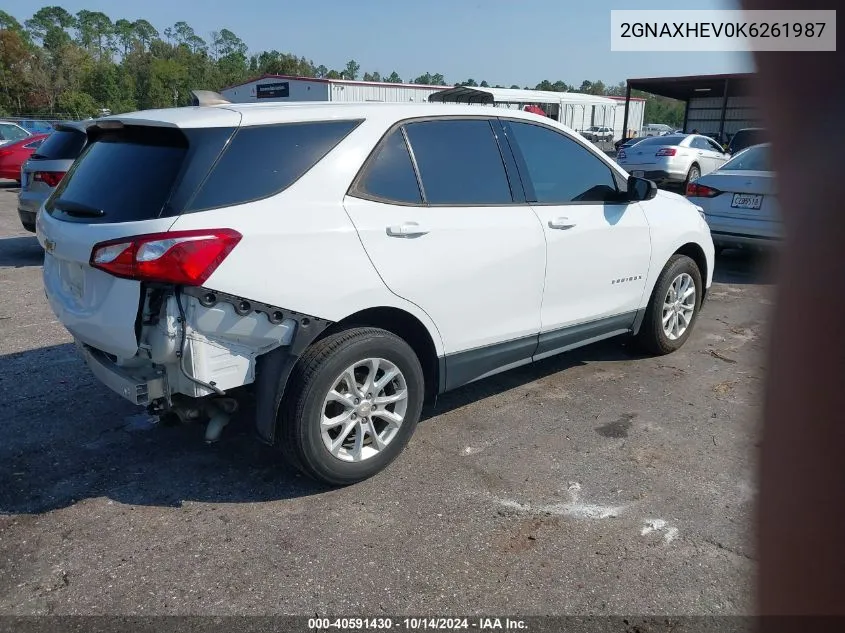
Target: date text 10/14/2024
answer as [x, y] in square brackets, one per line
[416, 624]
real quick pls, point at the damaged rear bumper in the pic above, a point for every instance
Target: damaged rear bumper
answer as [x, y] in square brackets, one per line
[203, 338]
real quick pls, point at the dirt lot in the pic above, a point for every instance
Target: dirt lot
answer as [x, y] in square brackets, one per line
[598, 482]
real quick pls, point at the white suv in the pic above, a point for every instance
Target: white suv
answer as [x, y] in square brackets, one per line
[336, 265]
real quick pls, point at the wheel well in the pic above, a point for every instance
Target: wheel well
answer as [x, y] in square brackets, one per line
[696, 254]
[407, 327]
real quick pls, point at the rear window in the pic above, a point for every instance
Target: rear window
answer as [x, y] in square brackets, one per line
[123, 175]
[263, 160]
[672, 139]
[61, 145]
[752, 159]
[746, 138]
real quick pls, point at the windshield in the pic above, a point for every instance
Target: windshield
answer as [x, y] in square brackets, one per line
[752, 159]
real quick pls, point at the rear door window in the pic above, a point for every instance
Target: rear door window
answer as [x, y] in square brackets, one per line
[390, 174]
[263, 160]
[61, 145]
[459, 162]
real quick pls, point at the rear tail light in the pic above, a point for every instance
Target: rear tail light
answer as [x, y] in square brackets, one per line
[621, 154]
[666, 151]
[695, 190]
[49, 178]
[184, 258]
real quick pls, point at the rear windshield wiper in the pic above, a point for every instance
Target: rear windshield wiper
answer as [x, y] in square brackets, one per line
[78, 209]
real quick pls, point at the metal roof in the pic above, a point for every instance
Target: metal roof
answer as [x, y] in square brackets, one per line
[323, 80]
[467, 94]
[684, 88]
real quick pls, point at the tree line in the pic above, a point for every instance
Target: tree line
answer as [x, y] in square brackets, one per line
[65, 65]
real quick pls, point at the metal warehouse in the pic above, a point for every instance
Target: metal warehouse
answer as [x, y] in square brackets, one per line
[285, 88]
[715, 104]
[578, 111]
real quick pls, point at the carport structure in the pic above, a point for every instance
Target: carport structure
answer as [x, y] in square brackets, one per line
[715, 104]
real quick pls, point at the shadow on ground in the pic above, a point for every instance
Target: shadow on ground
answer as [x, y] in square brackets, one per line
[745, 266]
[66, 438]
[20, 252]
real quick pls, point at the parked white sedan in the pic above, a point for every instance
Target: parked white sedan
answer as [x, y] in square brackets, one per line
[673, 159]
[740, 201]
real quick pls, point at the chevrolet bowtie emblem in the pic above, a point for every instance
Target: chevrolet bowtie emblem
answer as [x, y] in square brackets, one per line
[49, 245]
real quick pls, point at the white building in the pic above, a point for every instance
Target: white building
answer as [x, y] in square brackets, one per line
[578, 111]
[285, 88]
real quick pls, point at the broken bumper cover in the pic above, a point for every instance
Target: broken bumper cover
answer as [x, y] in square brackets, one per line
[136, 384]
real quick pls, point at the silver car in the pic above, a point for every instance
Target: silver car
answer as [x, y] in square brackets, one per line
[740, 201]
[673, 159]
[11, 132]
[46, 167]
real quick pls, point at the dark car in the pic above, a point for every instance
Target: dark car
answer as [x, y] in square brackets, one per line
[627, 142]
[746, 138]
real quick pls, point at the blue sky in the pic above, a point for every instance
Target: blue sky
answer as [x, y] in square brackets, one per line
[501, 41]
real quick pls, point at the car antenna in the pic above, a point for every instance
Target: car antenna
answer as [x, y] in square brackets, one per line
[207, 98]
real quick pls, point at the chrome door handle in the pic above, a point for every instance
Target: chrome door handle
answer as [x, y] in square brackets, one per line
[407, 229]
[560, 223]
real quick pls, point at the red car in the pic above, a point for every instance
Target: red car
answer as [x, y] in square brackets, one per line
[14, 155]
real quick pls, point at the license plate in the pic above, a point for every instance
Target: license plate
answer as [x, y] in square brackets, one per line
[746, 201]
[638, 173]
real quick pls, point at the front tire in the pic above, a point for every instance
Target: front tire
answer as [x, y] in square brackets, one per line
[673, 308]
[351, 405]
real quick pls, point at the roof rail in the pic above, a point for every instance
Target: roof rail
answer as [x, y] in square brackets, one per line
[207, 98]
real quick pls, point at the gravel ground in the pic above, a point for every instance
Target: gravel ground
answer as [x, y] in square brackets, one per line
[598, 482]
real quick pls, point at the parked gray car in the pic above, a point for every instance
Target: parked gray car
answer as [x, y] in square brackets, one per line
[46, 167]
[740, 200]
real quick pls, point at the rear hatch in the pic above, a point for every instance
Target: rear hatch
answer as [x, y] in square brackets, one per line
[133, 178]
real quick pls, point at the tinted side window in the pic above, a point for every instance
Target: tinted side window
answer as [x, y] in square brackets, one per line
[390, 174]
[560, 169]
[62, 145]
[263, 160]
[459, 162]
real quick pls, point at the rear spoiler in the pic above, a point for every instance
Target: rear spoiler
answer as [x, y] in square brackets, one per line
[207, 98]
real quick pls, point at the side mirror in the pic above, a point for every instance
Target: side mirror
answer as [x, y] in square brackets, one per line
[641, 189]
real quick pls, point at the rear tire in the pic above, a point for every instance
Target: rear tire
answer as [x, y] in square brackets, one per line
[671, 312]
[374, 420]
